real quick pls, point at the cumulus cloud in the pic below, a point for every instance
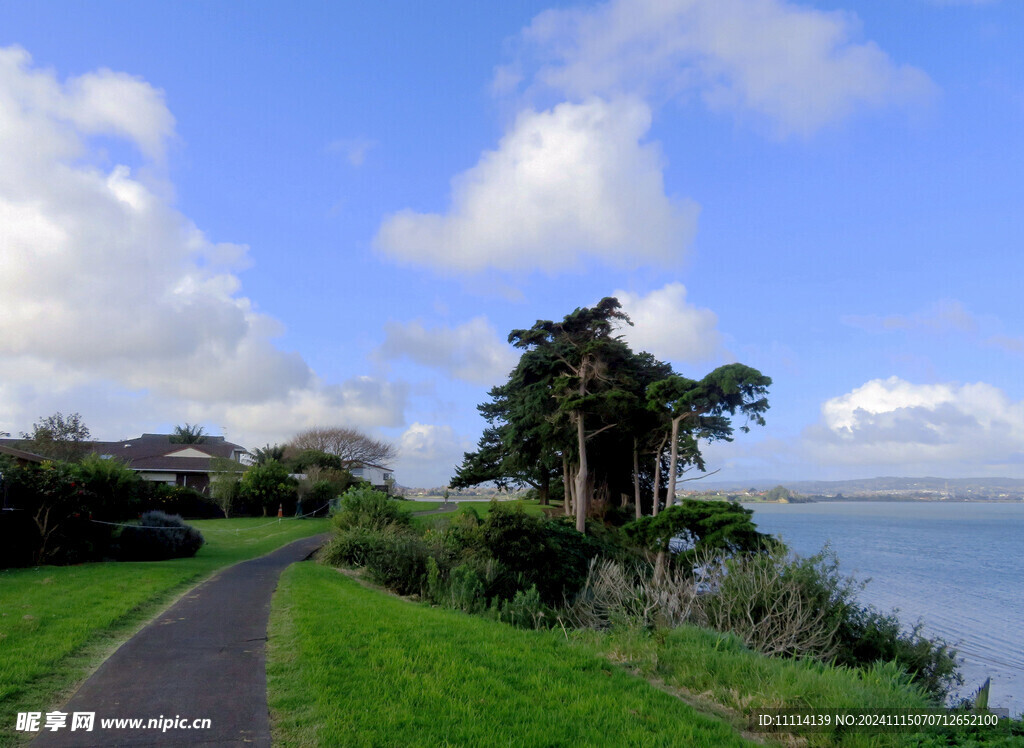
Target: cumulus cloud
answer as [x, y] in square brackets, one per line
[799, 68]
[106, 288]
[362, 402]
[938, 426]
[428, 454]
[472, 352]
[564, 186]
[668, 326]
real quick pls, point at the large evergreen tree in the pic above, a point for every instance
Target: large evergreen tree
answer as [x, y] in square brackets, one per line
[581, 403]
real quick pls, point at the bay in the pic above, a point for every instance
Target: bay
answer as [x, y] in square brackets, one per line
[954, 566]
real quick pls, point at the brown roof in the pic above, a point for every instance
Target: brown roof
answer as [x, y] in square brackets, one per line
[19, 454]
[151, 452]
[148, 452]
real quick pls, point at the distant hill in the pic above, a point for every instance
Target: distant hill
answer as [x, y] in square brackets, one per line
[875, 485]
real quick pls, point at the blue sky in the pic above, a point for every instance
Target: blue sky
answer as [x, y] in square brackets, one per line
[264, 217]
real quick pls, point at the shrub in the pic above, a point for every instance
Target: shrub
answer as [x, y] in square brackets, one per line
[350, 547]
[775, 611]
[784, 604]
[526, 610]
[868, 635]
[393, 556]
[693, 528]
[180, 500]
[318, 499]
[55, 507]
[463, 536]
[112, 484]
[361, 506]
[398, 561]
[465, 589]
[158, 536]
[269, 486]
[616, 594]
[545, 553]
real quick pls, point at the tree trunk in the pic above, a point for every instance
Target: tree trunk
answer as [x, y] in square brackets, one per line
[636, 476]
[672, 461]
[582, 500]
[566, 487]
[657, 475]
[544, 489]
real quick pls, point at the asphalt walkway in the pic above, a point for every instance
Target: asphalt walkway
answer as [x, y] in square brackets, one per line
[203, 658]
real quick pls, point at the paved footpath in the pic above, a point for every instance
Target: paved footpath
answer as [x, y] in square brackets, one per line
[202, 659]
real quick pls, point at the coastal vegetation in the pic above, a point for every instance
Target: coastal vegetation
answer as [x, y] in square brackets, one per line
[513, 628]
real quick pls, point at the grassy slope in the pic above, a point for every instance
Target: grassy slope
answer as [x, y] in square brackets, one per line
[724, 672]
[351, 666]
[57, 623]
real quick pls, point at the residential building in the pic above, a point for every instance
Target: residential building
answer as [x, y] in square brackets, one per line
[378, 476]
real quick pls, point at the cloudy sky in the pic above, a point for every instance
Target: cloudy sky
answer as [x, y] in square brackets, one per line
[267, 216]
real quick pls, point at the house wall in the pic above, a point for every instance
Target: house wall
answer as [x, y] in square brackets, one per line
[374, 476]
[169, 478]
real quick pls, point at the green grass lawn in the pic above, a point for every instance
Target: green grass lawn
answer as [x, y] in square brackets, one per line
[349, 666]
[57, 623]
[411, 507]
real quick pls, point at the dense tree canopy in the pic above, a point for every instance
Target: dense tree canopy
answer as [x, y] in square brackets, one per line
[58, 437]
[611, 423]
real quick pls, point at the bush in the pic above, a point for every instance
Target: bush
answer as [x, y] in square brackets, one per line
[394, 557]
[398, 561]
[545, 553]
[463, 536]
[269, 486]
[54, 506]
[158, 536]
[362, 506]
[180, 500]
[526, 610]
[352, 546]
[317, 500]
[692, 529]
[775, 604]
[784, 604]
[465, 589]
[868, 635]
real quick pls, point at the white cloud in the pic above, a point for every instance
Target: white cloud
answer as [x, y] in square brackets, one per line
[938, 427]
[109, 293]
[798, 67]
[668, 326]
[564, 186]
[472, 352]
[428, 454]
[362, 402]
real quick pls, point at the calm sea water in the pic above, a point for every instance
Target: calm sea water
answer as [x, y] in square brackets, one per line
[955, 566]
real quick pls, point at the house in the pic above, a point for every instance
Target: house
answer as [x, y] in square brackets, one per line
[156, 458]
[378, 476]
